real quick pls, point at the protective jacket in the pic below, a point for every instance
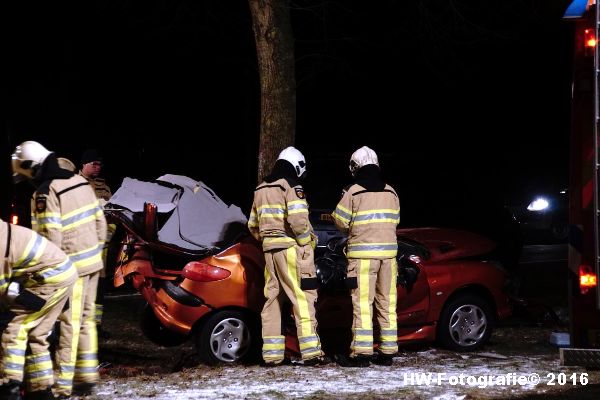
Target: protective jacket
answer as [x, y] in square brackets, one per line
[66, 211]
[369, 212]
[279, 215]
[36, 279]
[32, 260]
[99, 186]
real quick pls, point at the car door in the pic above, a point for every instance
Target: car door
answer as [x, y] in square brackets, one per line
[413, 299]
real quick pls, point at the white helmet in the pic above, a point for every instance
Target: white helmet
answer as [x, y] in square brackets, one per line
[67, 164]
[27, 158]
[295, 158]
[361, 157]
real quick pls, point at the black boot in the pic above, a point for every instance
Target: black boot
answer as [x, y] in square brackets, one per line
[11, 390]
[315, 362]
[45, 394]
[84, 389]
[383, 359]
[360, 361]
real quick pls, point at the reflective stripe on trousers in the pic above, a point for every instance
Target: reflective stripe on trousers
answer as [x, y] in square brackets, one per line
[77, 359]
[283, 271]
[376, 287]
[31, 330]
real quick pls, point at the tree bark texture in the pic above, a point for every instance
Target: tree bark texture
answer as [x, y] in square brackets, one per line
[275, 55]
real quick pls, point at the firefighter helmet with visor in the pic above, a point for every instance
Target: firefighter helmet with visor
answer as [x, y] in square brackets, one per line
[361, 157]
[296, 158]
[27, 159]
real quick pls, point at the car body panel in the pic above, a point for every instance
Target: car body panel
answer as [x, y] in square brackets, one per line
[447, 260]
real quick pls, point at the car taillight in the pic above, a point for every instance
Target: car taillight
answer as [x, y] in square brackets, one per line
[202, 272]
[587, 278]
[14, 219]
[589, 41]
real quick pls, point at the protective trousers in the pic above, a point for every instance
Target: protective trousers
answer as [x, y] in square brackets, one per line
[283, 272]
[77, 357]
[103, 280]
[376, 284]
[31, 328]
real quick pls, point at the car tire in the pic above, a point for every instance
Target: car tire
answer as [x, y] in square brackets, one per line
[229, 337]
[465, 323]
[154, 330]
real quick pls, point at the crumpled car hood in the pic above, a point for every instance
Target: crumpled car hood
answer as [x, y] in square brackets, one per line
[448, 244]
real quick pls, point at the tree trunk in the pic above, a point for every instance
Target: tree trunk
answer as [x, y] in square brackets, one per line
[275, 54]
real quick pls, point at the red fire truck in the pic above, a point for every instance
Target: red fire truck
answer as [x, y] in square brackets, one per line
[584, 207]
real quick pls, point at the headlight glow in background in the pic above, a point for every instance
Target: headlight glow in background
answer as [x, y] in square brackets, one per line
[539, 204]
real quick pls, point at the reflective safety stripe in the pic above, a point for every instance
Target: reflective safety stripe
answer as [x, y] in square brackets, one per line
[371, 250]
[267, 280]
[303, 238]
[273, 349]
[362, 341]
[33, 251]
[83, 216]
[342, 214]
[16, 352]
[297, 207]
[39, 368]
[278, 240]
[49, 222]
[99, 313]
[57, 274]
[271, 211]
[365, 308]
[363, 344]
[393, 298]
[309, 346]
[304, 316]
[66, 369]
[3, 283]
[87, 257]
[377, 216]
[253, 220]
[14, 359]
[388, 345]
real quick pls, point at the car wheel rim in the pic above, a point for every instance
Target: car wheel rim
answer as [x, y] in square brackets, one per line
[230, 340]
[468, 325]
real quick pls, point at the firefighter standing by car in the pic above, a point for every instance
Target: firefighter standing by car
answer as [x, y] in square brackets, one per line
[369, 212]
[279, 218]
[65, 210]
[91, 166]
[36, 279]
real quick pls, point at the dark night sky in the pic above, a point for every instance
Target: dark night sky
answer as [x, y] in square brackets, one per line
[461, 99]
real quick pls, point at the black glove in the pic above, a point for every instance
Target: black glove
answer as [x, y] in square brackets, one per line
[30, 300]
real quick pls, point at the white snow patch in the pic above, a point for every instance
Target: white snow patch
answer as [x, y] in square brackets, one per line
[431, 374]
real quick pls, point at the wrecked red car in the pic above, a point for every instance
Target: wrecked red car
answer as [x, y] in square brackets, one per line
[191, 258]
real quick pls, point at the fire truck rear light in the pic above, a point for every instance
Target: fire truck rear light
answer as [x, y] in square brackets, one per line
[590, 38]
[587, 278]
[202, 272]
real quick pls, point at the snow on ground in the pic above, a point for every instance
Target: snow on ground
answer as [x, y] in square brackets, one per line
[430, 374]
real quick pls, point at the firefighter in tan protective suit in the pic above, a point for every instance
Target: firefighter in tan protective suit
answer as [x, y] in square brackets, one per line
[65, 210]
[91, 166]
[279, 218]
[36, 278]
[369, 212]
